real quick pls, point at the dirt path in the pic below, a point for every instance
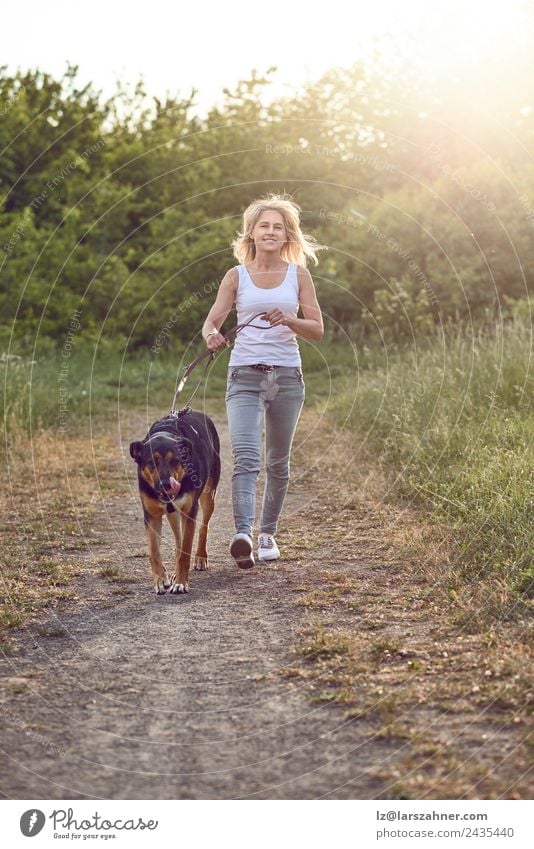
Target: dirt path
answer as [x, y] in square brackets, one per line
[329, 674]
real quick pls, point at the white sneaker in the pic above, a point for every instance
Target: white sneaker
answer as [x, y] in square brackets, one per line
[267, 547]
[241, 551]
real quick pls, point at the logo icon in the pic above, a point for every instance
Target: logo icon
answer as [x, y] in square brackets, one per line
[31, 822]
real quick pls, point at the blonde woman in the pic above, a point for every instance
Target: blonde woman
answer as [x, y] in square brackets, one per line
[265, 383]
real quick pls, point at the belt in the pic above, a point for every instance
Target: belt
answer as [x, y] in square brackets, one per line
[263, 367]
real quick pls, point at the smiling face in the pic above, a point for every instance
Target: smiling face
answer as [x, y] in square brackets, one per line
[269, 233]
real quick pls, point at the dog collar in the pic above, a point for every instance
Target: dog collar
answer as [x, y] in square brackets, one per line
[174, 436]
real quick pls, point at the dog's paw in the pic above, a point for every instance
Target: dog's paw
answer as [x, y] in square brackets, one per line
[178, 589]
[200, 564]
[161, 585]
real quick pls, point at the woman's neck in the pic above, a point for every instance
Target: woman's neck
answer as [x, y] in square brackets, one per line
[268, 263]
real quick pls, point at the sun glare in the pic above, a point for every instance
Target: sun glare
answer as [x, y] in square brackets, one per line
[444, 38]
[481, 44]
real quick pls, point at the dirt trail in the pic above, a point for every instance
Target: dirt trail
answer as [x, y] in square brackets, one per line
[234, 690]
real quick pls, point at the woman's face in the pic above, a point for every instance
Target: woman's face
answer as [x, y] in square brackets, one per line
[269, 232]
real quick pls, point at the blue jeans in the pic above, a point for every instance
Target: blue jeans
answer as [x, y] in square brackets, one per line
[254, 399]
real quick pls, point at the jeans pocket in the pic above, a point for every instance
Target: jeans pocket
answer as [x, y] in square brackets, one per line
[231, 378]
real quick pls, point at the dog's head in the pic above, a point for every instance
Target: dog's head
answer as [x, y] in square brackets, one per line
[164, 461]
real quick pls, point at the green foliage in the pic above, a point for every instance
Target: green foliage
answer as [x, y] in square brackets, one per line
[125, 209]
[400, 312]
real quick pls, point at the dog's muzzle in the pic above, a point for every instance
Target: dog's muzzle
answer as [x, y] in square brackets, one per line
[168, 493]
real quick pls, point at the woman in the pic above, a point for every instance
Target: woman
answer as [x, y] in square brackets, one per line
[265, 384]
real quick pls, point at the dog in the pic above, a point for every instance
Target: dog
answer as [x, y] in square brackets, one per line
[178, 468]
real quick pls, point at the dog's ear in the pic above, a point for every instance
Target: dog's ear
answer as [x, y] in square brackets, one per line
[136, 449]
[184, 450]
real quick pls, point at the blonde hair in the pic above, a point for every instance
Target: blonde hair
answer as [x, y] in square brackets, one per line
[297, 249]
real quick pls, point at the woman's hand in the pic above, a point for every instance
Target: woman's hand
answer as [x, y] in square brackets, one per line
[216, 341]
[311, 326]
[278, 317]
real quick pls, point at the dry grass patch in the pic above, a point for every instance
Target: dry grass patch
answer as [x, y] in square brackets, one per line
[331, 586]
[401, 643]
[41, 535]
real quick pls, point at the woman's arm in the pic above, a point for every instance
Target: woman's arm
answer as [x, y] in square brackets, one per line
[309, 327]
[220, 309]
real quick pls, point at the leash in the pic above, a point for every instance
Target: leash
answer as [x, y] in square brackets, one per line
[210, 356]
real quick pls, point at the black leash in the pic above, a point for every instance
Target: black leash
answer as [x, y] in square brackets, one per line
[210, 355]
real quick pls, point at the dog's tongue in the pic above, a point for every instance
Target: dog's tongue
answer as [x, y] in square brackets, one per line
[175, 485]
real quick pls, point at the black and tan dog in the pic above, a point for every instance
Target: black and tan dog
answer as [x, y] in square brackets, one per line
[178, 468]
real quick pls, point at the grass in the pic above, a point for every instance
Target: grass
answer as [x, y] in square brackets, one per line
[113, 574]
[22, 600]
[431, 717]
[321, 645]
[452, 423]
[47, 391]
[331, 587]
[48, 521]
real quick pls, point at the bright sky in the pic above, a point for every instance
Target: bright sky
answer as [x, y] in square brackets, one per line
[175, 46]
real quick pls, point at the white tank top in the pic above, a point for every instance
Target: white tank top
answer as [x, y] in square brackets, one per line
[274, 346]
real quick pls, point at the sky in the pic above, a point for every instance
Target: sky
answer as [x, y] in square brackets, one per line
[177, 46]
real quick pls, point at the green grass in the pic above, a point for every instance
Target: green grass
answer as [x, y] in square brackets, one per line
[453, 421]
[34, 390]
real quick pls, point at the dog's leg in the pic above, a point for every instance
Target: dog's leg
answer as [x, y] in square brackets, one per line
[180, 582]
[175, 521]
[153, 532]
[207, 502]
